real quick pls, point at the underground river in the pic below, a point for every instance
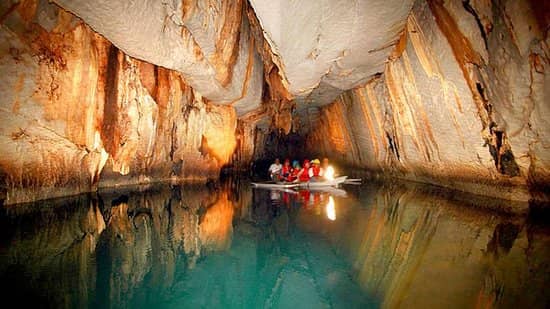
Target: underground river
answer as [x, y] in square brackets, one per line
[226, 245]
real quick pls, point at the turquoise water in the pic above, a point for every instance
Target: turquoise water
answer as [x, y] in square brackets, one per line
[229, 246]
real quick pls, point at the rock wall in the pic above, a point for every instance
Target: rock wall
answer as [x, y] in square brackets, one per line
[461, 102]
[77, 113]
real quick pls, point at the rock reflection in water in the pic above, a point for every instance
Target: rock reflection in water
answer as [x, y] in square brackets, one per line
[414, 248]
[230, 246]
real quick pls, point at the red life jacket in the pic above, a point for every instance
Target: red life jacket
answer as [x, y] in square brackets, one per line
[285, 170]
[305, 175]
[316, 170]
[293, 174]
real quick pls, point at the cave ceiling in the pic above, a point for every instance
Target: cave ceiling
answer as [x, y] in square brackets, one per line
[319, 48]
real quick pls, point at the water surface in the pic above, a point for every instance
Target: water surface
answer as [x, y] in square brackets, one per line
[229, 246]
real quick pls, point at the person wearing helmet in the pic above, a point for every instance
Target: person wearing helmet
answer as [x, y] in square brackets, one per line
[315, 170]
[303, 174]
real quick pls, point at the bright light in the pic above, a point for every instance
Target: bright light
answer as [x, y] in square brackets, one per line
[329, 173]
[331, 210]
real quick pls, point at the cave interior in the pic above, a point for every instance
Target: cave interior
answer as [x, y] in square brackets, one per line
[102, 93]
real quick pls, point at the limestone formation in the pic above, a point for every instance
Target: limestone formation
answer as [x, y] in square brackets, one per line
[459, 103]
[102, 93]
[326, 47]
[76, 110]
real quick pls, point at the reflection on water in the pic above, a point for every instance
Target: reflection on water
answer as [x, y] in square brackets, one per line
[331, 211]
[376, 245]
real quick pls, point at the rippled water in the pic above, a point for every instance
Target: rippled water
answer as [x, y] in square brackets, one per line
[229, 246]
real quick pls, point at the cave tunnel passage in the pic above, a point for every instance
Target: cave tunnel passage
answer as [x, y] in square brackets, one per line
[136, 140]
[430, 91]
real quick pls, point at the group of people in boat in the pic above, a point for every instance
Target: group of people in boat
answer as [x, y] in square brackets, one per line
[312, 170]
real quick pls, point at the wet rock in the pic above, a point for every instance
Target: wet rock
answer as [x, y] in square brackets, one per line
[79, 114]
[459, 103]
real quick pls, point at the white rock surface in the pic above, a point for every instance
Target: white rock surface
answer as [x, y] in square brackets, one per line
[329, 46]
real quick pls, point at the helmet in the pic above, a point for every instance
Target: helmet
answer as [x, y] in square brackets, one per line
[295, 163]
[306, 162]
[315, 161]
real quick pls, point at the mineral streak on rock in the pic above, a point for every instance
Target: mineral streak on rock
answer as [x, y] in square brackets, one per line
[206, 41]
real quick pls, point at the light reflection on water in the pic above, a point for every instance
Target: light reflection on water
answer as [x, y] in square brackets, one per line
[376, 245]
